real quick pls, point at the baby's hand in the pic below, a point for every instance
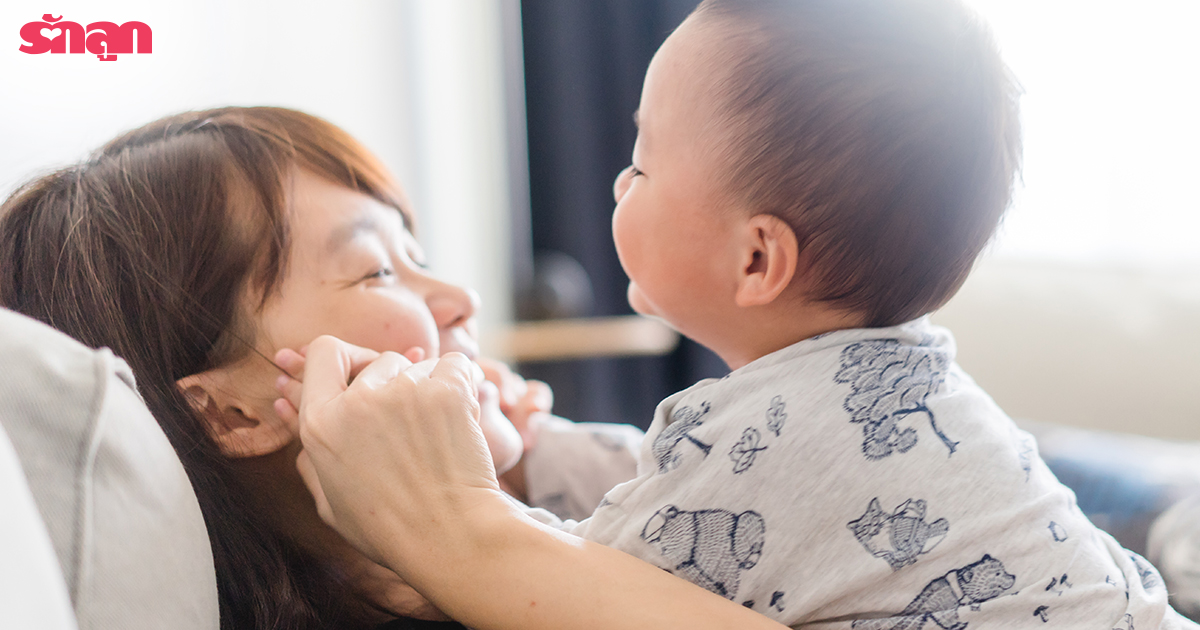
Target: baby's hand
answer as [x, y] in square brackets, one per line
[524, 402]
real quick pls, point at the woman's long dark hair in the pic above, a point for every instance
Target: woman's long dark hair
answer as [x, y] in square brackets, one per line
[147, 248]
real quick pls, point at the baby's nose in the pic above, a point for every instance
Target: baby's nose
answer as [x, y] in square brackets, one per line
[621, 184]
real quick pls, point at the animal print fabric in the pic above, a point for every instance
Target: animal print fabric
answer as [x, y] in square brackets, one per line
[860, 480]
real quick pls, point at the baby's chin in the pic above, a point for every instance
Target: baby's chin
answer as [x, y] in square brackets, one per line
[643, 307]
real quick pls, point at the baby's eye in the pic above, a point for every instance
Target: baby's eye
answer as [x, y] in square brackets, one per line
[635, 171]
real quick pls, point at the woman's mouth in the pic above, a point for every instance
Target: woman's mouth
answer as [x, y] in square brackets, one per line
[458, 340]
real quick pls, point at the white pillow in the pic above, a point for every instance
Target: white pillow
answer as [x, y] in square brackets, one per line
[120, 511]
[1110, 349]
[32, 593]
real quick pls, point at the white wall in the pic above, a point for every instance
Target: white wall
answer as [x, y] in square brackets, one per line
[458, 96]
[1111, 130]
[417, 81]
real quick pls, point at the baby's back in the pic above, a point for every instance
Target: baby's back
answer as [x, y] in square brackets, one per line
[861, 480]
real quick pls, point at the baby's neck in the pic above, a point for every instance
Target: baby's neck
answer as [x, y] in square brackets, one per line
[766, 331]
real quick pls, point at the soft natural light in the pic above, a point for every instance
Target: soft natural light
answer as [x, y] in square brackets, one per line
[1112, 130]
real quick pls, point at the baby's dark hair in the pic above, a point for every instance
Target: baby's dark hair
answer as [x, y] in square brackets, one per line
[885, 132]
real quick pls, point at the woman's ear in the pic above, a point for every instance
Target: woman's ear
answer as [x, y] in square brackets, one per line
[241, 429]
[768, 259]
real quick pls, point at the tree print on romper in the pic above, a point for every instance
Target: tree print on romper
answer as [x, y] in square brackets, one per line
[667, 445]
[1126, 623]
[776, 415]
[710, 548]
[746, 450]
[940, 600]
[907, 533]
[888, 382]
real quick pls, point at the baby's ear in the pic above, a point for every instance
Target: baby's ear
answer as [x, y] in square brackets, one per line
[768, 259]
[239, 428]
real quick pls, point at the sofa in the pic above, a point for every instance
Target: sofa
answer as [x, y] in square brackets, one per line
[1102, 366]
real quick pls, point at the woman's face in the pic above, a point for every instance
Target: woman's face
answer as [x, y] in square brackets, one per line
[355, 272]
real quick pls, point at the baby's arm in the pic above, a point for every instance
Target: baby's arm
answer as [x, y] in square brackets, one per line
[574, 464]
[567, 466]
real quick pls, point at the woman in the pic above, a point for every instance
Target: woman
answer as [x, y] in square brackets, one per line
[197, 246]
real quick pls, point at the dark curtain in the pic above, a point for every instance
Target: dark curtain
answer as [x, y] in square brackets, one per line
[584, 65]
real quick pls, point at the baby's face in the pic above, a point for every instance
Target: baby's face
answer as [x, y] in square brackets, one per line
[673, 235]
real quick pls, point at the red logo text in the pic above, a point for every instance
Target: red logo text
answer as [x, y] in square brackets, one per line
[106, 40]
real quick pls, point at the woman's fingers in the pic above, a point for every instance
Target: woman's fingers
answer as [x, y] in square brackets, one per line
[381, 371]
[291, 362]
[289, 390]
[459, 373]
[328, 366]
[287, 411]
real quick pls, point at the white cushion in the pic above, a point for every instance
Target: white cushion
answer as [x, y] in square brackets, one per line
[1113, 349]
[32, 593]
[120, 511]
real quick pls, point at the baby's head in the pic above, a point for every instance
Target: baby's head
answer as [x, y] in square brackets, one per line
[876, 140]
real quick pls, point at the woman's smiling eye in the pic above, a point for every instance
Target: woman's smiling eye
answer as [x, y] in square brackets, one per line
[382, 272]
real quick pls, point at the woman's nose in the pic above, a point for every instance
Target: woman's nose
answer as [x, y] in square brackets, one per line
[621, 184]
[451, 304]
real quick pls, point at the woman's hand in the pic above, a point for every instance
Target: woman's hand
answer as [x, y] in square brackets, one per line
[504, 439]
[391, 428]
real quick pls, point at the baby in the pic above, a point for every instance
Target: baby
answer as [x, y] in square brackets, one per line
[810, 179]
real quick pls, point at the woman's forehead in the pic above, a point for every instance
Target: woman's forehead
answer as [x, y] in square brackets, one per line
[330, 215]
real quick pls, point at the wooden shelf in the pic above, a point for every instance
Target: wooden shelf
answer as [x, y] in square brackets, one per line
[585, 338]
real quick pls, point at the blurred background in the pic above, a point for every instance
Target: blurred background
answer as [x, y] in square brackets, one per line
[507, 121]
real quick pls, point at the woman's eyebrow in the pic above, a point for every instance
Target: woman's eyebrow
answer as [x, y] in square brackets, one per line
[347, 232]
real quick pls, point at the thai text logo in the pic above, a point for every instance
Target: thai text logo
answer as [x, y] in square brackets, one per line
[106, 40]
